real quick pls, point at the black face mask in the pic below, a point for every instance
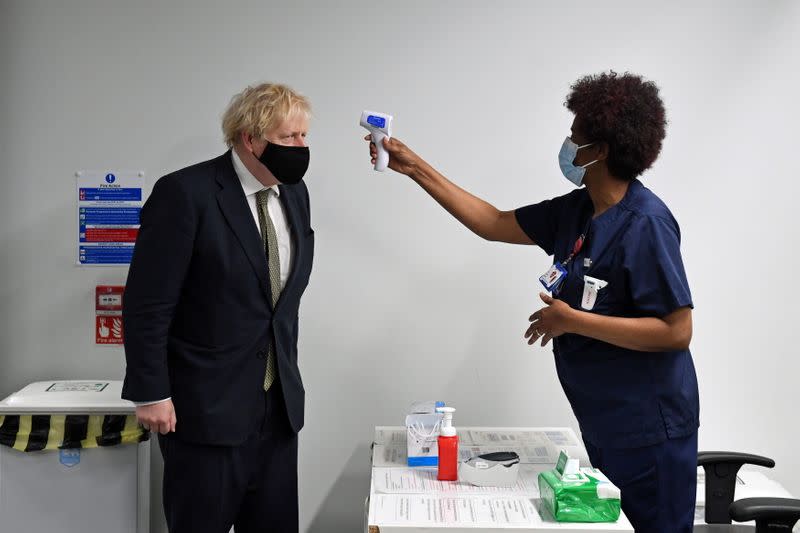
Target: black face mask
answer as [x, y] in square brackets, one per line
[287, 163]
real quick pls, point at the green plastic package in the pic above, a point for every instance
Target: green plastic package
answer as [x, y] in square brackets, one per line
[579, 495]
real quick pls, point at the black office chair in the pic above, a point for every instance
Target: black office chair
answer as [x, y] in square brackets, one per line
[770, 514]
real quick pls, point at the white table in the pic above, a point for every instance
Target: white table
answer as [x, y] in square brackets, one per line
[411, 500]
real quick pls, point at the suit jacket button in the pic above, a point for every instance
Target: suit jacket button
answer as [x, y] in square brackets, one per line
[262, 354]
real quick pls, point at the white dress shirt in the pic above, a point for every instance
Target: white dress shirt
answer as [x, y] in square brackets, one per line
[250, 186]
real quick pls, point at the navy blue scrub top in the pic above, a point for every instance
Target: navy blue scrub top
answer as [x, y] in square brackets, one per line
[622, 398]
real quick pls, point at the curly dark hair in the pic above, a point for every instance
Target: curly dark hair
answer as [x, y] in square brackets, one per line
[626, 112]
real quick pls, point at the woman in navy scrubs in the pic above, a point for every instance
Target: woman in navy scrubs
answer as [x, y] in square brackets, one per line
[620, 312]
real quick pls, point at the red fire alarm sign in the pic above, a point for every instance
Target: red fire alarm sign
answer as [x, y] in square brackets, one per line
[108, 314]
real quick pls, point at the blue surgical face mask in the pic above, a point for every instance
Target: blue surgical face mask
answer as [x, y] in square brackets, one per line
[566, 156]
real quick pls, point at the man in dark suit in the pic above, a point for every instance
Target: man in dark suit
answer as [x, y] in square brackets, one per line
[210, 311]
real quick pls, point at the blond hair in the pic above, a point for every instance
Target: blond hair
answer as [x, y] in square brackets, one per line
[257, 110]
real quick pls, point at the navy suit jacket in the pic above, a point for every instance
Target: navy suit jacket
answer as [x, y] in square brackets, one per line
[197, 311]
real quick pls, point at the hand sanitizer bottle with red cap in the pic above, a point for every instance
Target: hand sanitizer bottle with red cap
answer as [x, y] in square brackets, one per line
[448, 446]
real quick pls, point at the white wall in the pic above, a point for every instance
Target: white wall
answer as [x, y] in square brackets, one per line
[405, 304]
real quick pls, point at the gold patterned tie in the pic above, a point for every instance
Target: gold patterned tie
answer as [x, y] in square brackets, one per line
[270, 240]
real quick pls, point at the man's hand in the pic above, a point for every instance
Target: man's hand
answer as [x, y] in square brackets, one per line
[158, 417]
[549, 322]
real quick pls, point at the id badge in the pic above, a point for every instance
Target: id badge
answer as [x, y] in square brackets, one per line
[553, 277]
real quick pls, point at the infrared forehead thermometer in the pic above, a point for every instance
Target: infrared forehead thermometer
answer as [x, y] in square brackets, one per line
[379, 126]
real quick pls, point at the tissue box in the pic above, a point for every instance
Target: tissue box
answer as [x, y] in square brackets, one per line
[422, 428]
[586, 496]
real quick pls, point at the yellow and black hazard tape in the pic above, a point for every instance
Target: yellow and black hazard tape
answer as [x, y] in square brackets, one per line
[32, 433]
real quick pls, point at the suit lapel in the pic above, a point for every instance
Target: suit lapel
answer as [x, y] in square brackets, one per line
[292, 217]
[233, 205]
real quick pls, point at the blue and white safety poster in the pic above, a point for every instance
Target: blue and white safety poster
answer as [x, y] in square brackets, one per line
[109, 205]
